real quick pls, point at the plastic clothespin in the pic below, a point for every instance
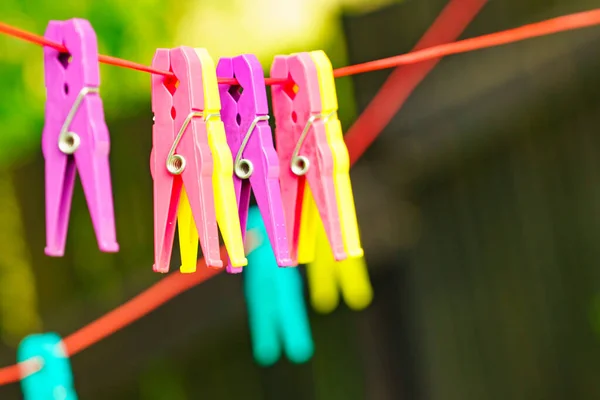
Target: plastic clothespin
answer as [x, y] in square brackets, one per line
[305, 155]
[345, 198]
[54, 380]
[225, 199]
[75, 136]
[245, 114]
[327, 277]
[276, 310]
[181, 156]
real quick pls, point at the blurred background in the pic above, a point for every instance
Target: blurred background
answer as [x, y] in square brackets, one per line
[479, 208]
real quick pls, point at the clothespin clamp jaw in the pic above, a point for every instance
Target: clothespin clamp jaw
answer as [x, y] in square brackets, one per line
[304, 152]
[50, 376]
[75, 136]
[256, 166]
[181, 157]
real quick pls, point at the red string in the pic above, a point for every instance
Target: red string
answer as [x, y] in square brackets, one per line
[150, 299]
[550, 26]
[554, 25]
[174, 284]
[10, 374]
[392, 95]
[127, 313]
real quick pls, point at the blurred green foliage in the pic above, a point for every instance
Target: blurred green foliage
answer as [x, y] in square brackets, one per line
[123, 30]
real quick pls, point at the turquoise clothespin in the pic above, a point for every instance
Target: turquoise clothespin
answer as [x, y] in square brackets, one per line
[276, 308]
[54, 381]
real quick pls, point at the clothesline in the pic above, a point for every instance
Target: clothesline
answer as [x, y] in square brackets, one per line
[550, 26]
[174, 284]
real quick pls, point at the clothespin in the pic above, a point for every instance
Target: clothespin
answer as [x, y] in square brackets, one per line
[189, 149]
[343, 187]
[274, 296]
[305, 154]
[52, 378]
[245, 114]
[327, 277]
[75, 136]
[222, 178]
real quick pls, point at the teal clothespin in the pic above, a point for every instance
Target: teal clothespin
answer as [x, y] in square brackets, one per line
[54, 381]
[276, 309]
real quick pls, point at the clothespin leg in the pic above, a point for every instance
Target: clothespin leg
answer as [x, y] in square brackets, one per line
[94, 173]
[165, 216]
[308, 228]
[353, 277]
[266, 346]
[225, 200]
[328, 198]
[344, 193]
[209, 237]
[268, 194]
[58, 207]
[327, 277]
[188, 235]
[321, 275]
[243, 202]
[293, 316]
[261, 302]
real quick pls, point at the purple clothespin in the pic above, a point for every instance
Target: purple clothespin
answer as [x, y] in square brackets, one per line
[245, 113]
[75, 135]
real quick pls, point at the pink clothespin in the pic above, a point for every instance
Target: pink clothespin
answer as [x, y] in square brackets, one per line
[181, 155]
[75, 136]
[303, 149]
[245, 113]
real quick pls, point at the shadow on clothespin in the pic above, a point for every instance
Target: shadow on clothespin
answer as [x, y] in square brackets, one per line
[51, 377]
[75, 136]
[191, 163]
[256, 166]
[276, 310]
[305, 154]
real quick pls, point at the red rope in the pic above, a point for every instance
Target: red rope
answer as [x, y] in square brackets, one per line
[392, 95]
[150, 299]
[127, 313]
[172, 285]
[554, 25]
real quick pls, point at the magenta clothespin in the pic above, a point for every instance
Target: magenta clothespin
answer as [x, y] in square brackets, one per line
[75, 135]
[245, 113]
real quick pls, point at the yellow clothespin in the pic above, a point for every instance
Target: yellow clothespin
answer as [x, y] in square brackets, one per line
[225, 200]
[327, 277]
